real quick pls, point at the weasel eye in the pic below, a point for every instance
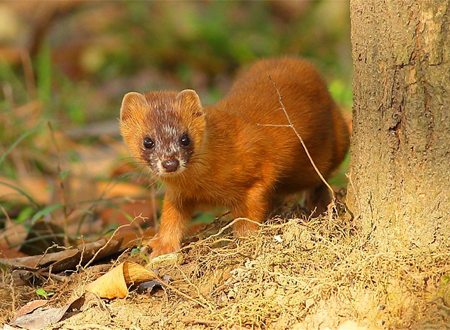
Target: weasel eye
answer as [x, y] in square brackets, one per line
[148, 143]
[185, 141]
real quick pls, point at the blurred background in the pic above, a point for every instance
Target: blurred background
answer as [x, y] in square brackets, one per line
[65, 66]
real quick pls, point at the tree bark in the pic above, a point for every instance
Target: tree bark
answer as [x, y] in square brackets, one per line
[399, 174]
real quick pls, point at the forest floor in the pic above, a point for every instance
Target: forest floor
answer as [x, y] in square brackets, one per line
[63, 163]
[294, 274]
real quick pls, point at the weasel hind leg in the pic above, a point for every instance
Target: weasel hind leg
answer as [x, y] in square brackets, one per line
[317, 199]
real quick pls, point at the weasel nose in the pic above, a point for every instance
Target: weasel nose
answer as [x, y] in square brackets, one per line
[170, 165]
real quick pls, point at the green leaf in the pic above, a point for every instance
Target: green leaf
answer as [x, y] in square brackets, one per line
[20, 191]
[136, 250]
[64, 174]
[44, 72]
[24, 214]
[42, 293]
[19, 139]
[145, 257]
[45, 211]
[3, 267]
[126, 215]
[204, 218]
[445, 279]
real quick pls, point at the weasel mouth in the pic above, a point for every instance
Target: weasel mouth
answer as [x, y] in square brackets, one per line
[171, 174]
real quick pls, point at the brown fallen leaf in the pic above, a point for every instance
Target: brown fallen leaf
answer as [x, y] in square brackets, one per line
[13, 234]
[42, 317]
[36, 187]
[67, 259]
[41, 237]
[141, 208]
[119, 189]
[116, 282]
[28, 308]
[8, 252]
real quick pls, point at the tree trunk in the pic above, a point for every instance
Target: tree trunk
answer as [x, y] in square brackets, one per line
[400, 155]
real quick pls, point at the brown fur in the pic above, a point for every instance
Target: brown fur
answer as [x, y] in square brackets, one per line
[236, 160]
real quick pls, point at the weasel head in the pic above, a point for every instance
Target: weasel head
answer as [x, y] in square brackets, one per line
[163, 130]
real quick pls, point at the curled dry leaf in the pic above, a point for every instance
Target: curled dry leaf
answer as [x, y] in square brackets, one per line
[116, 282]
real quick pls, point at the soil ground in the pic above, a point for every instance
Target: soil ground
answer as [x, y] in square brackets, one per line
[294, 274]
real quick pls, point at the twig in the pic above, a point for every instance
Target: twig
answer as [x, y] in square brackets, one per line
[167, 285]
[83, 249]
[200, 321]
[13, 295]
[354, 189]
[8, 220]
[29, 74]
[87, 327]
[209, 322]
[46, 251]
[198, 292]
[61, 187]
[222, 230]
[291, 125]
[153, 205]
[107, 242]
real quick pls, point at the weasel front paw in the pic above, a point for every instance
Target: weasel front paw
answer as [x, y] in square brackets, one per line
[161, 246]
[244, 228]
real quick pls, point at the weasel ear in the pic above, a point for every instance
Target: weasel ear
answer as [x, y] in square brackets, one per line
[131, 103]
[189, 100]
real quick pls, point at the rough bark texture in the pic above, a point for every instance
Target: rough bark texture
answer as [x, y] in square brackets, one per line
[400, 165]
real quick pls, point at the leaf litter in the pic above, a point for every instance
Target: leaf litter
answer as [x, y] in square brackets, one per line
[294, 274]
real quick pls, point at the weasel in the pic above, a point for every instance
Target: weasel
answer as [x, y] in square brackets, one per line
[238, 153]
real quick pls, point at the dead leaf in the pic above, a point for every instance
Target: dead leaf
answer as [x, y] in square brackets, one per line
[120, 189]
[42, 317]
[41, 236]
[150, 285]
[8, 252]
[13, 234]
[36, 187]
[67, 259]
[28, 308]
[116, 282]
[135, 208]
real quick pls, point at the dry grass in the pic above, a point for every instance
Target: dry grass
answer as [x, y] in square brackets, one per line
[294, 274]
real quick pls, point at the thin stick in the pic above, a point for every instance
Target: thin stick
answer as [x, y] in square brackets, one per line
[171, 287]
[200, 321]
[205, 301]
[61, 187]
[291, 125]
[8, 219]
[221, 231]
[153, 206]
[29, 74]
[87, 327]
[107, 242]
